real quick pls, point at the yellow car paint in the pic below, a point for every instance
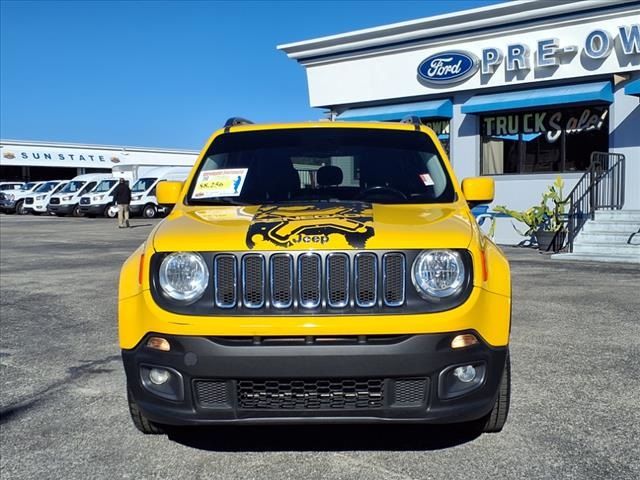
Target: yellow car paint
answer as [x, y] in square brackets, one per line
[227, 228]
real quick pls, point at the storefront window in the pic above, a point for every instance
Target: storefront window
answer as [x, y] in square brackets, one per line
[441, 129]
[543, 141]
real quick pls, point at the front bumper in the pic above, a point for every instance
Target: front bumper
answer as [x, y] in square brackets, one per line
[135, 210]
[61, 208]
[403, 378]
[7, 205]
[92, 209]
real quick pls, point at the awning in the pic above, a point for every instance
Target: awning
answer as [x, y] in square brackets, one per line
[432, 109]
[540, 97]
[633, 88]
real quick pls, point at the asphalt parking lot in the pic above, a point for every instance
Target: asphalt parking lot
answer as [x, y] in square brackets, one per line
[575, 398]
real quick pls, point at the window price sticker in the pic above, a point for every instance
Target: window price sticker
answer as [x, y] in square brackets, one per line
[426, 179]
[220, 183]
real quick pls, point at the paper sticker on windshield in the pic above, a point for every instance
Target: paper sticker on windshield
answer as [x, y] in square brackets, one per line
[220, 183]
[426, 179]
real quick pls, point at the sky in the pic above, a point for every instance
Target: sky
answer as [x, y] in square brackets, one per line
[167, 74]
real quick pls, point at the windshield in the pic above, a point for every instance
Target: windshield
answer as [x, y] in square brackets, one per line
[28, 186]
[104, 186]
[143, 185]
[322, 164]
[46, 187]
[73, 187]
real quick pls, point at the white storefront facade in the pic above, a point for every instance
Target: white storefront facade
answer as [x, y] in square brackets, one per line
[522, 91]
[22, 160]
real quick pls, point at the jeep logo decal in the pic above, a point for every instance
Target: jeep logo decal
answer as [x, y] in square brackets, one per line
[448, 67]
[311, 225]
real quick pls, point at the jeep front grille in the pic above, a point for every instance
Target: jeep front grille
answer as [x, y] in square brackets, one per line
[310, 394]
[309, 281]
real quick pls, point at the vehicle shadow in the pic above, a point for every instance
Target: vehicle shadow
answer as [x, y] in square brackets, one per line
[325, 437]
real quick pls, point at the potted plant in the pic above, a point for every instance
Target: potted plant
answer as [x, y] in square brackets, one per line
[545, 221]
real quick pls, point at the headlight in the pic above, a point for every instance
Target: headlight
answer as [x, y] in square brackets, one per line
[136, 197]
[67, 198]
[438, 273]
[40, 197]
[97, 198]
[184, 276]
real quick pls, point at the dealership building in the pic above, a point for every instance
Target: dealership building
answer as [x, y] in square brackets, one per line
[24, 161]
[520, 91]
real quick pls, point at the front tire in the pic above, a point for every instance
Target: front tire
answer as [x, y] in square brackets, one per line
[149, 211]
[141, 422]
[498, 416]
[76, 211]
[20, 208]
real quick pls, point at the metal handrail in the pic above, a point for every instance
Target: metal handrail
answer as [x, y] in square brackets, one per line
[601, 187]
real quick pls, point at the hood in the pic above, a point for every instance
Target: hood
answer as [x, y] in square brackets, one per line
[316, 226]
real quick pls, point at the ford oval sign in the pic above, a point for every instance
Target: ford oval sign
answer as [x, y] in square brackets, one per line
[448, 67]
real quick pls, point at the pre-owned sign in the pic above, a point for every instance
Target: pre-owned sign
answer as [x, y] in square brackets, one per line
[455, 66]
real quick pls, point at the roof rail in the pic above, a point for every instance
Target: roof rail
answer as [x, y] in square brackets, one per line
[413, 120]
[233, 121]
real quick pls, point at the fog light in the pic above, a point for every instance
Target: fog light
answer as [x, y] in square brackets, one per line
[465, 340]
[465, 374]
[158, 376]
[159, 343]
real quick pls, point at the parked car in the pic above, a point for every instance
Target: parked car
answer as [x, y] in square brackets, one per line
[99, 201]
[36, 203]
[67, 200]
[369, 296]
[143, 193]
[8, 186]
[14, 201]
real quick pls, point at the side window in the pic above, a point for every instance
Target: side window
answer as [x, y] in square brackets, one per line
[59, 187]
[87, 188]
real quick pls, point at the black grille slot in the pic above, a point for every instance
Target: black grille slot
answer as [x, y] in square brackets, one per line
[366, 279]
[253, 272]
[281, 278]
[225, 272]
[338, 280]
[28, 201]
[85, 201]
[393, 279]
[410, 391]
[54, 201]
[309, 282]
[211, 393]
[307, 394]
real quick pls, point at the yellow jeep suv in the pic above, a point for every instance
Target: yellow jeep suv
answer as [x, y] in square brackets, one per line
[318, 272]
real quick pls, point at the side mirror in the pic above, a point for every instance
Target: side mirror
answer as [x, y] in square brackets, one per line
[478, 190]
[168, 193]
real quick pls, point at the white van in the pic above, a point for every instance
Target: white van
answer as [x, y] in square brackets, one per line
[14, 201]
[67, 200]
[37, 202]
[99, 201]
[143, 192]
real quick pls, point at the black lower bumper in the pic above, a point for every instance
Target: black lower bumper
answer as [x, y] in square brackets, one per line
[135, 210]
[92, 209]
[61, 209]
[231, 380]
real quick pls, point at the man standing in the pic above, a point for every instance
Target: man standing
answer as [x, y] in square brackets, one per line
[122, 196]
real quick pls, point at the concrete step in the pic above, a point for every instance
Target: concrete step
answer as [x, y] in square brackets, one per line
[618, 215]
[609, 237]
[611, 226]
[581, 257]
[605, 249]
